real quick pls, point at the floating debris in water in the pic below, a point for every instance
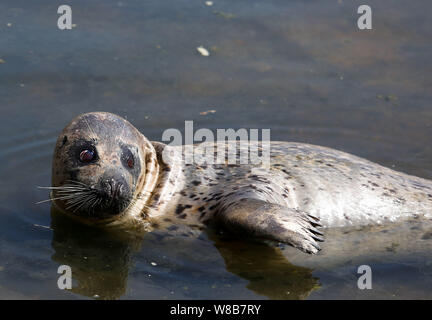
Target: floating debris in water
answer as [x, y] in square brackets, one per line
[389, 97]
[9, 24]
[209, 3]
[153, 263]
[41, 226]
[393, 247]
[206, 112]
[225, 15]
[204, 52]
[96, 296]
[2, 61]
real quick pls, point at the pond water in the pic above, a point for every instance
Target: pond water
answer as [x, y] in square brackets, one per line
[301, 68]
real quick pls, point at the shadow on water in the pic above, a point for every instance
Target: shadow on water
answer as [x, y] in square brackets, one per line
[265, 267]
[102, 259]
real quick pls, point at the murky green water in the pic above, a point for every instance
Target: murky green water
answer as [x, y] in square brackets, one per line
[300, 68]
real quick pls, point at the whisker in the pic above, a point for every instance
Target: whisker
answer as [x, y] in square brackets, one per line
[91, 130]
[71, 204]
[76, 192]
[86, 200]
[77, 196]
[68, 189]
[58, 198]
[76, 200]
[77, 183]
[66, 186]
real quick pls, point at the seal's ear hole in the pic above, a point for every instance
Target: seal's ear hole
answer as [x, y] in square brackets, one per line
[64, 141]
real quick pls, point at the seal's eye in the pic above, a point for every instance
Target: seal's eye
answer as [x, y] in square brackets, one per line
[86, 155]
[130, 162]
[128, 158]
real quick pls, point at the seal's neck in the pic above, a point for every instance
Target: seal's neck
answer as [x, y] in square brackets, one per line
[162, 182]
[147, 182]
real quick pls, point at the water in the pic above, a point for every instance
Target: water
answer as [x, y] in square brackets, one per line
[300, 68]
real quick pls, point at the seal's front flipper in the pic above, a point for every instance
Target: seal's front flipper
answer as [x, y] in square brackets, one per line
[274, 222]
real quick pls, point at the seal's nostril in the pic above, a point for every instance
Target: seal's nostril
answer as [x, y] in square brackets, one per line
[111, 190]
[119, 190]
[114, 194]
[107, 188]
[114, 189]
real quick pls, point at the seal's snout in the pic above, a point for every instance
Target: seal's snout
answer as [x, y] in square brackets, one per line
[112, 189]
[114, 193]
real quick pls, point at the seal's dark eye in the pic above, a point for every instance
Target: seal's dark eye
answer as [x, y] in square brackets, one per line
[86, 155]
[130, 162]
[128, 158]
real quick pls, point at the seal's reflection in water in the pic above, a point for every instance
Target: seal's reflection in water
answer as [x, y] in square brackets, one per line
[269, 272]
[101, 260]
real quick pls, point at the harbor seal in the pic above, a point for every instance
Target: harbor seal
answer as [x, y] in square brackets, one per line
[106, 172]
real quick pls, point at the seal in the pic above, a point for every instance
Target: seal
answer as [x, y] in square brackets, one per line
[106, 172]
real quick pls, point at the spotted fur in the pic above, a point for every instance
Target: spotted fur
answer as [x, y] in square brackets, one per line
[305, 188]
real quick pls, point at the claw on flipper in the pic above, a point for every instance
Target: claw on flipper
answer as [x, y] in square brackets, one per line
[274, 222]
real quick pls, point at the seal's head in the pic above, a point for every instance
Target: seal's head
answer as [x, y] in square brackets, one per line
[99, 167]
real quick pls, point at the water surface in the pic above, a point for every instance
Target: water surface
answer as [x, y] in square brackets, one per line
[300, 68]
